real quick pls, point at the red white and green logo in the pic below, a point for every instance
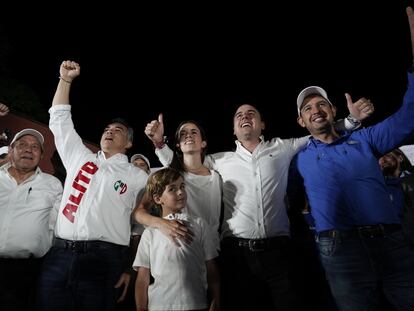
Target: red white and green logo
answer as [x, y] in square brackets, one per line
[120, 186]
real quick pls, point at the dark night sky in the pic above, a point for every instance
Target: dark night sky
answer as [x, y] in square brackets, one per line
[198, 62]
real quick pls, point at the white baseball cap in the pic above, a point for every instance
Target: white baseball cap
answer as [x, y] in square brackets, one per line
[310, 90]
[408, 150]
[32, 132]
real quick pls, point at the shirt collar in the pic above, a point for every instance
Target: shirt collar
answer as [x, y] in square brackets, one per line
[316, 142]
[239, 144]
[6, 166]
[119, 156]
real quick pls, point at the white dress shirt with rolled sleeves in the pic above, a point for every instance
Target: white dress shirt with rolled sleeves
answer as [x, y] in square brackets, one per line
[99, 193]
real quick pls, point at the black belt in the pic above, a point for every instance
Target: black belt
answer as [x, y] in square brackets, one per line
[84, 246]
[371, 231]
[256, 245]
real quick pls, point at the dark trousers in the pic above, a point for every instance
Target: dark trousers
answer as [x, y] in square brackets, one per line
[358, 265]
[80, 279]
[255, 279]
[17, 283]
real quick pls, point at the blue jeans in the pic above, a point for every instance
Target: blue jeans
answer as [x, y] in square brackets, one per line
[72, 280]
[356, 266]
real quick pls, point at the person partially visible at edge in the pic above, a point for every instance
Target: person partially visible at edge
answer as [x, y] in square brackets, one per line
[29, 201]
[362, 246]
[255, 228]
[185, 275]
[141, 161]
[4, 137]
[399, 177]
[85, 268]
[4, 155]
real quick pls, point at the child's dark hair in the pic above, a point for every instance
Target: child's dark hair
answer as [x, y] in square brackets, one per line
[177, 161]
[158, 181]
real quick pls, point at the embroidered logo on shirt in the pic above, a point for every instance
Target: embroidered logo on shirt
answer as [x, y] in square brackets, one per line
[352, 142]
[79, 187]
[120, 185]
[177, 216]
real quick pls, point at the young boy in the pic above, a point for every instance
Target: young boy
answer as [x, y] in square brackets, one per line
[180, 273]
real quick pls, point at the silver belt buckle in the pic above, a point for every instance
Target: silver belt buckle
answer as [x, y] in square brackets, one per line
[256, 245]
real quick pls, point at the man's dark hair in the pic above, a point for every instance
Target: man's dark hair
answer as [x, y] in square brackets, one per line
[126, 124]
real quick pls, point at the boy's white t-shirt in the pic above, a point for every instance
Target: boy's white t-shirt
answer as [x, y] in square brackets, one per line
[180, 276]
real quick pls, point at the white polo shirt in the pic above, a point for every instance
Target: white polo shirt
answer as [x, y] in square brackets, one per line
[99, 193]
[27, 213]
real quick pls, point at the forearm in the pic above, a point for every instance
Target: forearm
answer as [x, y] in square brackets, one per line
[141, 298]
[143, 216]
[141, 289]
[61, 96]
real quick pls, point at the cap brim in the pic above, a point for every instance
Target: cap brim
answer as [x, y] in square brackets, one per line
[310, 90]
[32, 132]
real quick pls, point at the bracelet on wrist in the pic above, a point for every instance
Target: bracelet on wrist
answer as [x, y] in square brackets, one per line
[69, 82]
[353, 120]
[162, 143]
[159, 145]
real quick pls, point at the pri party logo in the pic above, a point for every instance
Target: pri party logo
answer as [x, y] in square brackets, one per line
[122, 187]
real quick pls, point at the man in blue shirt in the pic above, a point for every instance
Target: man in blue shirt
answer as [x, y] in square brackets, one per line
[359, 232]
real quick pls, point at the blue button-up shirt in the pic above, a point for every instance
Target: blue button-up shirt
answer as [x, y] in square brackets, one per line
[343, 181]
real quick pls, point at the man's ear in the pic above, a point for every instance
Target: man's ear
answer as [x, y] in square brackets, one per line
[128, 145]
[263, 125]
[300, 121]
[203, 144]
[334, 110]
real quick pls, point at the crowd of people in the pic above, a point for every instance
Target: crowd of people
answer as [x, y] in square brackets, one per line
[212, 231]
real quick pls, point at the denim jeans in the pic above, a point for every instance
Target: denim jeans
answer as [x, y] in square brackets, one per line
[72, 280]
[357, 267]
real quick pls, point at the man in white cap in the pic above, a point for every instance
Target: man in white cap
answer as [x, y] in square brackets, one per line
[141, 161]
[362, 245]
[29, 200]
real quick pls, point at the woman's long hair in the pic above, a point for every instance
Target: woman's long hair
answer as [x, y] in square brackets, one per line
[178, 161]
